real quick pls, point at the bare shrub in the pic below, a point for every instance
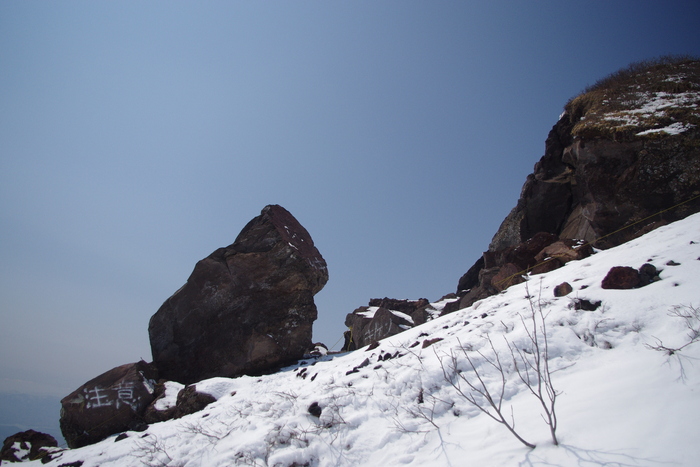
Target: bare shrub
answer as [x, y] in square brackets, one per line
[472, 387]
[530, 364]
[152, 452]
[691, 316]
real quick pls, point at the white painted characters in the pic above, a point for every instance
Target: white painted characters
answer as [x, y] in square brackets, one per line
[122, 393]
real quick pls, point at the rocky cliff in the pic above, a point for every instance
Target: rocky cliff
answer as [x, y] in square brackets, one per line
[623, 158]
[624, 150]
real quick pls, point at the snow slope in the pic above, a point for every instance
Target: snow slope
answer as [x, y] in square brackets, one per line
[620, 402]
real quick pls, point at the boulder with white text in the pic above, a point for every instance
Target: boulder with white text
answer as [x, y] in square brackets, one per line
[383, 317]
[108, 404]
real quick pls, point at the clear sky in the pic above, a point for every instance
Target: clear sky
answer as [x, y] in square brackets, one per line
[138, 137]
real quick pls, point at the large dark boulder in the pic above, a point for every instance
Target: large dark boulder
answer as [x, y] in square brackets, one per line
[110, 403]
[247, 308]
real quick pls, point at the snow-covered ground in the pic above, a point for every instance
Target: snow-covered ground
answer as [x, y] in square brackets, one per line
[619, 403]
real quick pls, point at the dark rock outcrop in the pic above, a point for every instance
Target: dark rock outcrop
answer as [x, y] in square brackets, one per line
[612, 171]
[383, 317]
[246, 309]
[602, 171]
[601, 186]
[110, 403]
[609, 174]
[27, 446]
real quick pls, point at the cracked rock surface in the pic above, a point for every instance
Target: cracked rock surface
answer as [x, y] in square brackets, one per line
[247, 308]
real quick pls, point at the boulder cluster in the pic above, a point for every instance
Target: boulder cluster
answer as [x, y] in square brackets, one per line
[247, 308]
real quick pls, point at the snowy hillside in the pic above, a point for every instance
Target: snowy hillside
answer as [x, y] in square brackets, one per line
[620, 402]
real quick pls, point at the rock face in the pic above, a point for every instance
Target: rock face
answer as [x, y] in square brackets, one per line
[246, 309]
[607, 164]
[623, 159]
[110, 403]
[383, 317]
[26, 446]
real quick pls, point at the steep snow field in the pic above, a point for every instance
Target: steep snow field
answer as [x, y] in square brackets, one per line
[619, 403]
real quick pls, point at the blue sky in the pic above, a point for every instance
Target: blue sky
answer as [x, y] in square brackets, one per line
[138, 137]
